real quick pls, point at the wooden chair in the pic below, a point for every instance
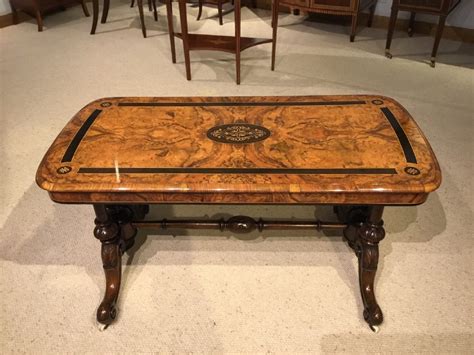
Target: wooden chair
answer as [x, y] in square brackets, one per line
[219, 4]
[105, 12]
[194, 41]
[441, 8]
[36, 8]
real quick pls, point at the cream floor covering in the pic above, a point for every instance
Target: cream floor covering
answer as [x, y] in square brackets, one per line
[206, 292]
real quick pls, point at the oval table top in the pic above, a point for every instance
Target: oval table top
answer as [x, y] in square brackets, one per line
[359, 149]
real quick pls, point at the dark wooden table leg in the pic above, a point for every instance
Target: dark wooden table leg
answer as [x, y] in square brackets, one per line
[84, 8]
[116, 233]
[105, 11]
[184, 36]
[155, 11]
[169, 15]
[237, 20]
[275, 11]
[142, 16]
[439, 32]
[363, 234]
[200, 10]
[391, 28]
[95, 15]
[107, 231]
[411, 24]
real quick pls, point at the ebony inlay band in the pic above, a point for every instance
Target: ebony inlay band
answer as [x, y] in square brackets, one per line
[71, 150]
[402, 137]
[227, 104]
[341, 171]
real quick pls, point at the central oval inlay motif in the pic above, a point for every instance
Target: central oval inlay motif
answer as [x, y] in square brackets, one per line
[238, 133]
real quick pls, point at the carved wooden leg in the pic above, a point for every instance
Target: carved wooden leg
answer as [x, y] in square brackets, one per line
[14, 13]
[363, 235]
[116, 233]
[439, 32]
[391, 28]
[411, 24]
[370, 234]
[108, 232]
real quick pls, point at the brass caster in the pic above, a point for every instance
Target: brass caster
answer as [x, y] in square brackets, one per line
[101, 327]
[375, 328]
[388, 54]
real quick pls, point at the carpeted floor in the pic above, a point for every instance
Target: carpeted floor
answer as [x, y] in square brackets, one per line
[205, 292]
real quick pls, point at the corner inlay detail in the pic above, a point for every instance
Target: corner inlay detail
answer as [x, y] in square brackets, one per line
[238, 133]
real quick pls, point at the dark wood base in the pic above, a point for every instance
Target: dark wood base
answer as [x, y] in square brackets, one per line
[117, 225]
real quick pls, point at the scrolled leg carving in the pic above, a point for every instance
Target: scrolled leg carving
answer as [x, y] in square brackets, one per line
[363, 235]
[370, 234]
[114, 230]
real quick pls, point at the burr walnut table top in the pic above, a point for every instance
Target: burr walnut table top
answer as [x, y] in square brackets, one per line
[314, 149]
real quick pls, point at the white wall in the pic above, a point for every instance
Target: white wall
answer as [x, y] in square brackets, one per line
[462, 16]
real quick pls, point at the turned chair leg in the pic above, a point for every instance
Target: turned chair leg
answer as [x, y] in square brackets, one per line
[185, 37]
[105, 11]
[411, 24]
[439, 32]
[391, 29]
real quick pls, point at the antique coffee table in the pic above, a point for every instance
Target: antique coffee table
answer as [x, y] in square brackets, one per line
[357, 153]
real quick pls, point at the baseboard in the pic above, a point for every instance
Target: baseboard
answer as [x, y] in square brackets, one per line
[450, 32]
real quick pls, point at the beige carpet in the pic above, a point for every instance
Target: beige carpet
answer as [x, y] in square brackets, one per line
[205, 292]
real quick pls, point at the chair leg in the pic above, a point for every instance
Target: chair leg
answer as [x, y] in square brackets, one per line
[371, 15]
[150, 6]
[95, 15]
[353, 26]
[391, 28]
[84, 8]
[155, 12]
[142, 16]
[275, 10]
[439, 32]
[184, 36]
[39, 20]
[14, 14]
[169, 17]
[200, 10]
[411, 24]
[237, 39]
[132, 3]
[219, 10]
[105, 11]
